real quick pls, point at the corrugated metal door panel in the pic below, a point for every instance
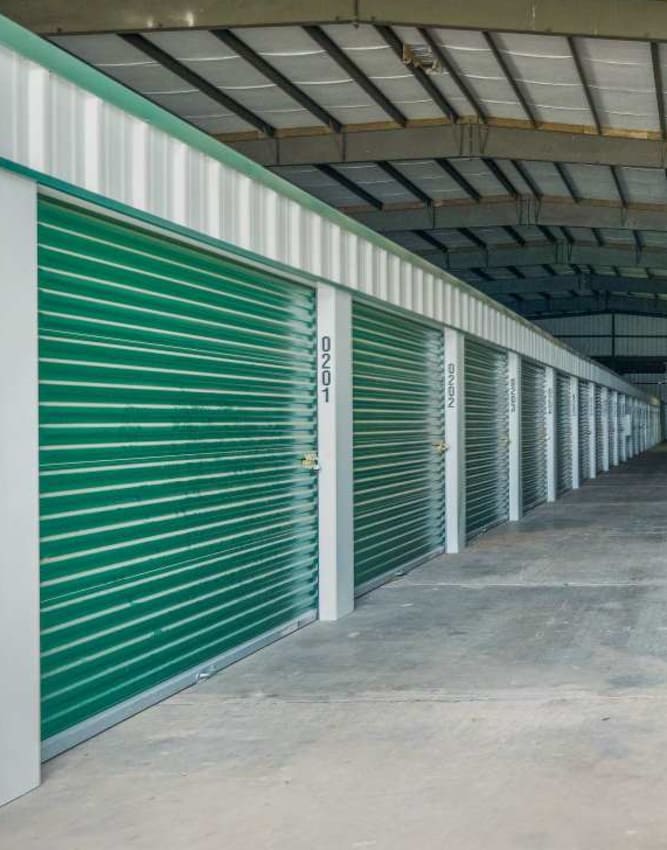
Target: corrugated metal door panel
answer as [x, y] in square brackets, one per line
[399, 430]
[584, 432]
[599, 434]
[486, 437]
[563, 434]
[533, 436]
[177, 398]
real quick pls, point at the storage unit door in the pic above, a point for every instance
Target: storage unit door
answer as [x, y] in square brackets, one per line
[486, 437]
[399, 431]
[533, 436]
[599, 434]
[178, 398]
[584, 432]
[563, 434]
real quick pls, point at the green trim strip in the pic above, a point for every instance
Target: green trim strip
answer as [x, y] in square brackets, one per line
[58, 61]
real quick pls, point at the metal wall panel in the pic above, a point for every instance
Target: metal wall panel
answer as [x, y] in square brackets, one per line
[399, 433]
[584, 432]
[178, 398]
[563, 434]
[533, 436]
[68, 123]
[486, 437]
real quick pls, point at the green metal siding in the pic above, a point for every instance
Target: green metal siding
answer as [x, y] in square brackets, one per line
[399, 430]
[563, 434]
[584, 432]
[486, 437]
[533, 436]
[177, 398]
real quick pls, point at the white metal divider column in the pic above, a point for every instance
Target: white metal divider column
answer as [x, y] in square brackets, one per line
[574, 431]
[604, 426]
[455, 468]
[592, 432]
[334, 433]
[613, 424]
[514, 406]
[19, 490]
[550, 426]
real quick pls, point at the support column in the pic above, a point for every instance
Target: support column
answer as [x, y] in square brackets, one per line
[550, 425]
[613, 424]
[592, 431]
[604, 426]
[455, 470]
[514, 403]
[574, 431]
[19, 490]
[334, 430]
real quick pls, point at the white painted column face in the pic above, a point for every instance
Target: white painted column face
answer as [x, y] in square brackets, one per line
[604, 425]
[455, 482]
[514, 403]
[613, 424]
[574, 431]
[19, 490]
[592, 431]
[550, 425]
[334, 428]
[623, 426]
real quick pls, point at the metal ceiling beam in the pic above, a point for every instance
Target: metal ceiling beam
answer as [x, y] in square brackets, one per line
[581, 283]
[536, 255]
[584, 83]
[405, 182]
[658, 86]
[510, 78]
[535, 308]
[259, 63]
[451, 171]
[442, 55]
[498, 212]
[395, 43]
[193, 79]
[344, 62]
[627, 20]
[447, 141]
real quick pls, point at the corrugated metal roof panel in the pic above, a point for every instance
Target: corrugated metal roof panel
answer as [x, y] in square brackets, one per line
[430, 178]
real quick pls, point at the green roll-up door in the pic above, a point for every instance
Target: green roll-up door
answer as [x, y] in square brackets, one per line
[563, 434]
[399, 431]
[178, 397]
[533, 436]
[599, 434]
[486, 437]
[584, 432]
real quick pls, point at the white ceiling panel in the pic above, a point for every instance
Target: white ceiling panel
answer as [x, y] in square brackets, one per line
[321, 185]
[616, 237]
[430, 178]
[645, 185]
[547, 179]
[453, 239]
[620, 78]
[480, 177]
[292, 52]
[373, 56]
[531, 233]
[442, 79]
[470, 53]
[653, 238]
[546, 72]
[373, 180]
[593, 182]
[133, 68]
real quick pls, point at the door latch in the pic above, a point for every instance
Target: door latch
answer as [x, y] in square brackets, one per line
[440, 446]
[310, 461]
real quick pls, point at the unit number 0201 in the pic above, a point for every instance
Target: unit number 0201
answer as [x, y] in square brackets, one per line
[326, 364]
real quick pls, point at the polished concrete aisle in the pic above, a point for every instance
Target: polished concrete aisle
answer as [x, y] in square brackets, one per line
[510, 698]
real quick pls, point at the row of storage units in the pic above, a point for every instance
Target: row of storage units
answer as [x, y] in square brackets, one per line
[247, 407]
[178, 423]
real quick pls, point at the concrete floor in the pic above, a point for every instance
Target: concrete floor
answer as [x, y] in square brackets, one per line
[510, 698]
